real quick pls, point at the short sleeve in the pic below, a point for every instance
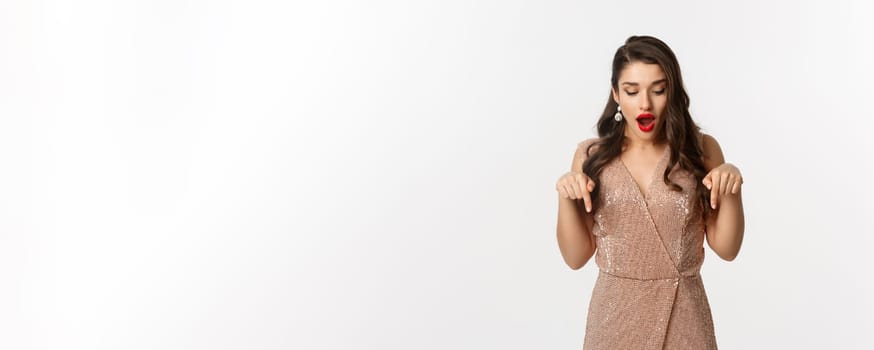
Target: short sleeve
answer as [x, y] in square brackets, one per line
[584, 145]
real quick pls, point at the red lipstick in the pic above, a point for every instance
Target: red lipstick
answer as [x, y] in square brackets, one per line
[646, 122]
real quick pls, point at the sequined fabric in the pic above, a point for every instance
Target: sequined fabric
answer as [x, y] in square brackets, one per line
[649, 293]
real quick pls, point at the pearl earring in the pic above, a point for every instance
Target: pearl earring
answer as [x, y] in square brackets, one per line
[618, 115]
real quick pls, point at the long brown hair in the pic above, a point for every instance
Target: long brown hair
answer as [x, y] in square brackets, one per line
[680, 131]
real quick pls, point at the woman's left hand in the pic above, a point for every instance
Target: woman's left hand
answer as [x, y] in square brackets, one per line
[722, 181]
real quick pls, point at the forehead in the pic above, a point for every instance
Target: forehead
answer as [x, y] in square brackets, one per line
[641, 73]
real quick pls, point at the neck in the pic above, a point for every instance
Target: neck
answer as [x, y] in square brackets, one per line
[641, 144]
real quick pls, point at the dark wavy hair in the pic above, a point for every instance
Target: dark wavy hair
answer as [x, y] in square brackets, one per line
[679, 130]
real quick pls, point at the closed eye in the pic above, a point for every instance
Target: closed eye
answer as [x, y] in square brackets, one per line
[660, 92]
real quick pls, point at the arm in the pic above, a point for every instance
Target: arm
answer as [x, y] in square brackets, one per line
[574, 228]
[725, 228]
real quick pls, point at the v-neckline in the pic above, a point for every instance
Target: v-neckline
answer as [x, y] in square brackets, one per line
[653, 176]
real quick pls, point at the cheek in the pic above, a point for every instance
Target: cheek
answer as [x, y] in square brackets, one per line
[661, 103]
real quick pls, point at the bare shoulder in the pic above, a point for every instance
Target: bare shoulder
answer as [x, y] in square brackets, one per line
[713, 156]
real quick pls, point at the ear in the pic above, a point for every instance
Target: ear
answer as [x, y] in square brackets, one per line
[615, 95]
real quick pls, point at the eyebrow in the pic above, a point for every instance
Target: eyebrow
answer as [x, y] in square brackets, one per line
[636, 84]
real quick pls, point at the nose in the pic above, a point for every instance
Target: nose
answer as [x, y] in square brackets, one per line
[645, 102]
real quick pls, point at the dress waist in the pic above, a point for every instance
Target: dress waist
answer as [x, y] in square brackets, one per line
[690, 274]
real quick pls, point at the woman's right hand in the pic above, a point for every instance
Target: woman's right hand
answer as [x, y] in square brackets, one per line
[576, 185]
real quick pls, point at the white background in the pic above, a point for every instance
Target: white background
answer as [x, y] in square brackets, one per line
[380, 175]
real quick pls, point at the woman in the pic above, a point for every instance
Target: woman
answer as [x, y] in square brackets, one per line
[644, 195]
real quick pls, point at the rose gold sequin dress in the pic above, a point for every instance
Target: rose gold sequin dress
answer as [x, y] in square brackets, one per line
[649, 294]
